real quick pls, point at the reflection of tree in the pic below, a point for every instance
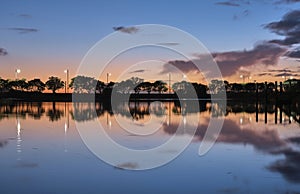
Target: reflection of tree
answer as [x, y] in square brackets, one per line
[86, 111]
[54, 114]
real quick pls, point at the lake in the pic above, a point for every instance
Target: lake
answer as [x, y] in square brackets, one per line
[257, 150]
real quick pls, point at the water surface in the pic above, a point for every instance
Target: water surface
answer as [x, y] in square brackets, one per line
[258, 150]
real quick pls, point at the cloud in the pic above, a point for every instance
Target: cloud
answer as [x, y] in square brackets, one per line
[168, 43]
[288, 26]
[128, 30]
[230, 62]
[287, 1]
[244, 14]
[294, 53]
[24, 15]
[138, 71]
[23, 30]
[228, 3]
[3, 52]
[287, 75]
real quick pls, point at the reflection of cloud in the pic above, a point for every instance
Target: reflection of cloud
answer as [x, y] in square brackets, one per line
[128, 30]
[288, 167]
[231, 133]
[3, 52]
[228, 3]
[26, 165]
[128, 165]
[3, 143]
[23, 30]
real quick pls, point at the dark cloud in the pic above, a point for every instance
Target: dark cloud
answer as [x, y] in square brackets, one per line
[265, 53]
[138, 71]
[23, 30]
[3, 52]
[228, 3]
[294, 53]
[287, 75]
[230, 62]
[288, 26]
[128, 30]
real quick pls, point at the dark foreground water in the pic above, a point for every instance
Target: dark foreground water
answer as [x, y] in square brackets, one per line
[41, 150]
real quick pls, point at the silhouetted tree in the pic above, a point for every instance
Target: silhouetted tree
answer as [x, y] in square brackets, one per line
[129, 85]
[250, 87]
[3, 85]
[83, 84]
[160, 86]
[19, 84]
[100, 86]
[54, 83]
[217, 86]
[36, 85]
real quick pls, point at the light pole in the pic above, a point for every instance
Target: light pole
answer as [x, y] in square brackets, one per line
[67, 80]
[17, 71]
[107, 75]
[243, 77]
[169, 83]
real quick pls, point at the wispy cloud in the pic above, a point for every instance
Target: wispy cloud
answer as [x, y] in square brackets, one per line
[286, 1]
[24, 15]
[3, 52]
[244, 14]
[168, 43]
[128, 30]
[23, 30]
[228, 3]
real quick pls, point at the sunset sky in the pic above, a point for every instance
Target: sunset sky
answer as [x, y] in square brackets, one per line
[255, 38]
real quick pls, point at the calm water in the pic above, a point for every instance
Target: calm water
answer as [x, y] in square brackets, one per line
[41, 151]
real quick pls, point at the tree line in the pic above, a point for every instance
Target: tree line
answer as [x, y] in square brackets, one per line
[85, 84]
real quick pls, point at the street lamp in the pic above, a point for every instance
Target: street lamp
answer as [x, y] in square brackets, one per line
[17, 71]
[67, 80]
[107, 75]
[283, 77]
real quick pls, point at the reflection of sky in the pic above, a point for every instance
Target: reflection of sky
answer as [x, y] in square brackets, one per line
[247, 158]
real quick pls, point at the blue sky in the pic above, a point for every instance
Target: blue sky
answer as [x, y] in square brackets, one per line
[55, 36]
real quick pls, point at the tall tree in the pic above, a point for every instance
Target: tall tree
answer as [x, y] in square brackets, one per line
[54, 83]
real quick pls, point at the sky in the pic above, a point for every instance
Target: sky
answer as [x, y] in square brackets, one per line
[258, 39]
